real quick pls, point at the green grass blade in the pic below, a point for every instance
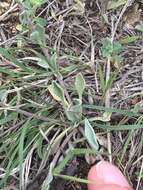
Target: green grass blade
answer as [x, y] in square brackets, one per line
[21, 150]
[8, 118]
[75, 179]
[112, 110]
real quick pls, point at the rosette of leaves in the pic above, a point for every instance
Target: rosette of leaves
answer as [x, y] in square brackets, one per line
[112, 50]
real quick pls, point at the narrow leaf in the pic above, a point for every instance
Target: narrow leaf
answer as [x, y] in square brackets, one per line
[129, 39]
[74, 112]
[7, 54]
[3, 94]
[37, 3]
[80, 85]
[49, 179]
[38, 35]
[53, 62]
[90, 135]
[107, 48]
[58, 93]
[43, 63]
[21, 149]
[10, 117]
[115, 4]
[139, 27]
[105, 117]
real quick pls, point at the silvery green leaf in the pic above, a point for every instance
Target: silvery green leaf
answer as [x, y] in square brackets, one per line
[3, 94]
[49, 179]
[58, 93]
[90, 135]
[74, 112]
[79, 85]
[43, 63]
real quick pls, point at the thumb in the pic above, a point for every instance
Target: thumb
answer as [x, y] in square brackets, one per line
[109, 187]
[107, 176]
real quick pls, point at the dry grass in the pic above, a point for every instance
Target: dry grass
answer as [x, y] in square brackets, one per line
[35, 132]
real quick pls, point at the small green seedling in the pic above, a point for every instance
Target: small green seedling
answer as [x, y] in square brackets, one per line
[111, 50]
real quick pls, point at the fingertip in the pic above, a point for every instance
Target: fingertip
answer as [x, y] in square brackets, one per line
[105, 173]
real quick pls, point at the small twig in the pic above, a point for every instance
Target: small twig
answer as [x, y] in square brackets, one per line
[13, 38]
[27, 86]
[8, 11]
[26, 167]
[107, 104]
[140, 176]
[119, 19]
[92, 64]
[46, 8]
[58, 40]
[107, 95]
[13, 128]
[46, 53]
[131, 71]
[29, 114]
[65, 142]
[12, 173]
[3, 37]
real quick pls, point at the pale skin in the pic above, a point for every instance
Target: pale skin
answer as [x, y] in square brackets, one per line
[106, 176]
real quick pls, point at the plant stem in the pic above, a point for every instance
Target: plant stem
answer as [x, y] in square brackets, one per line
[107, 104]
